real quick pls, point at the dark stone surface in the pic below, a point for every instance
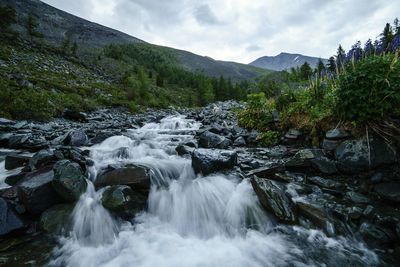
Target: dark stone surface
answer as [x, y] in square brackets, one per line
[9, 220]
[207, 161]
[123, 201]
[212, 140]
[36, 191]
[135, 176]
[274, 200]
[57, 218]
[77, 138]
[41, 159]
[389, 191]
[15, 160]
[69, 181]
[359, 155]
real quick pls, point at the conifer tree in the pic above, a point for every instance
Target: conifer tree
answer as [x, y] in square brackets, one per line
[305, 71]
[31, 27]
[331, 64]
[7, 18]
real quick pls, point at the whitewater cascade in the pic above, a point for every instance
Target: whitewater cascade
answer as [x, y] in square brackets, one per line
[190, 221]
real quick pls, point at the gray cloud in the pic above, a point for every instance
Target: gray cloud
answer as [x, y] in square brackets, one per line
[252, 48]
[242, 30]
[204, 15]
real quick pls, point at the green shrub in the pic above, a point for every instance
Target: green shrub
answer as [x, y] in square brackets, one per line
[257, 114]
[369, 90]
[268, 138]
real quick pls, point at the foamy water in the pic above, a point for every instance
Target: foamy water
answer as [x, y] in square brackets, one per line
[190, 221]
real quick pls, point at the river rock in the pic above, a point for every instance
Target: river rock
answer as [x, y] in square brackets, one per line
[279, 151]
[15, 178]
[56, 219]
[303, 158]
[323, 182]
[41, 159]
[267, 171]
[9, 220]
[274, 199]
[123, 201]
[375, 235]
[292, 136]
[69, 181]
[316, 214]
[15, 160]
[136, 176]
[324, 165]
[357, 198]
[18, 140]
[36, 191]
[212, 140]
[184, 150]
[76, 138]
[240, 141]
[337, 134]
[208, 161]
[100, 137]
[4, 139]
[330, 145]
[74, 115]
[353, 155]
[389, 191]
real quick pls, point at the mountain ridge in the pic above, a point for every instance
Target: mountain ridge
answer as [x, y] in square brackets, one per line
[285, 61]
[59, 26]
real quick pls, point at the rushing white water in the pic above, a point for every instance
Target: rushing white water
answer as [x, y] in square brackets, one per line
[4, 173]
[190, 221]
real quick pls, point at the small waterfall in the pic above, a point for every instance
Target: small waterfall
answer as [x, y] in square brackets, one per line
[190, 221]
[92, 224]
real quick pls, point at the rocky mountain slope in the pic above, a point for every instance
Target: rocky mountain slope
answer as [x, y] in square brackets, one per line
[58, 26]
[285, 61]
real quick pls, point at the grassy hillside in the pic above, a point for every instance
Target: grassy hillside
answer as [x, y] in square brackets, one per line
[40, 77]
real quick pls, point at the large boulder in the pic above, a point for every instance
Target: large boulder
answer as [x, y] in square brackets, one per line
[9, 220]
[274, 199]
[76, 138]
[15, 160]
[56, 218]
[136, 176]
[36, 191]
[69, 181]
[207, 161]
[212, 140]
[360, 155]
[41, 159]
[123, 201]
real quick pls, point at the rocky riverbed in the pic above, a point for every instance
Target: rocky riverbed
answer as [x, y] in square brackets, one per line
[337, 204]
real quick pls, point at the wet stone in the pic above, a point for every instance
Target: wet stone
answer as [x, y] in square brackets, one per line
[389, 191]
[357, 198]
[274, 199]
[207, 161]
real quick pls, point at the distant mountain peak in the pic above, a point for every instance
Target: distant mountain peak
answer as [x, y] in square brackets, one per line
[285, 61]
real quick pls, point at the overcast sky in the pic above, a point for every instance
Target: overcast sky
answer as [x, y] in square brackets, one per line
[242, 30]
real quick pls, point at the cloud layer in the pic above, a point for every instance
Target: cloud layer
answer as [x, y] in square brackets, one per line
[242, 30]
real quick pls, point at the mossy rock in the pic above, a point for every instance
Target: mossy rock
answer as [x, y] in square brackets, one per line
[57, 218]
